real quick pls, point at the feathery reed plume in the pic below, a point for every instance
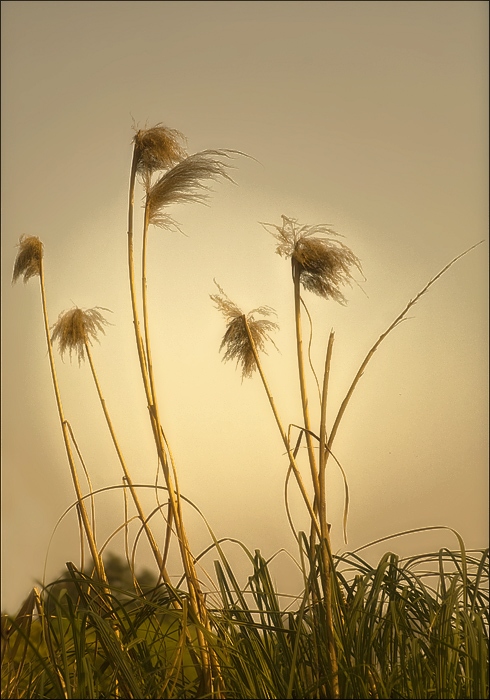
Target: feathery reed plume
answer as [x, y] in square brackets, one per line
[323, 264]
[29, 257]
[76, 328]
[184, 183]
[236, 339]
[158, 148]
[29, 262]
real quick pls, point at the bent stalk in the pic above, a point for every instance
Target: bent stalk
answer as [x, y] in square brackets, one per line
[81, 506]
[302, 380]
[127, 476]
[210, 666]
[323, 437]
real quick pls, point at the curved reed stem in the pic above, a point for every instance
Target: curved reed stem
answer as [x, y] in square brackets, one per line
[81, 506]
[210, 665]
[127, 476]
[174, 501]
[284, 436]
[146, 330]
[302, 381]
[323, 437]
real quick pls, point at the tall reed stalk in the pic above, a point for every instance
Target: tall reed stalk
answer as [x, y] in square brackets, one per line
[29, 263]
[159, 149]
[244, 336]
[321, 265]
[296, 270]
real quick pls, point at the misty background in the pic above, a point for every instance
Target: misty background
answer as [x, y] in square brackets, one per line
[368, 116]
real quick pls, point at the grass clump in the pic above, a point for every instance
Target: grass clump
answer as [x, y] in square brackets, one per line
[407, 628]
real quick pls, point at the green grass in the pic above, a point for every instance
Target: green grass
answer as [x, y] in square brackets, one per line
[412, 628]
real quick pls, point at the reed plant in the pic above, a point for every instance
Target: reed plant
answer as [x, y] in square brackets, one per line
[403, 628]
[183, 180]
[29, 263]
[323, 265]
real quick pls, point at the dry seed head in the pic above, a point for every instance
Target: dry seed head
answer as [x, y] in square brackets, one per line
[185, 183]
[236, 340]
[324, 264]
[76, 327]
[29, 257]
[158, 148]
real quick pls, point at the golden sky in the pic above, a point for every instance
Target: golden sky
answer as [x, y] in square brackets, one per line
[368, 116]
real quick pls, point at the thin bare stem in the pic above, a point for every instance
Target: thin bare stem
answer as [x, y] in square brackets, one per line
[323, 436]
[147, 382]
[127, 476]
[83, 512]
[284, 436]
[146, 330]
[302, 380]
[174, 503]
[139, 340]
[87, 475]
[144, 289]
[144, 293]
[310, 341]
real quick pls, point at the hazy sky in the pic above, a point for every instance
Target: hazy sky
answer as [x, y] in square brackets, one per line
[369, 116]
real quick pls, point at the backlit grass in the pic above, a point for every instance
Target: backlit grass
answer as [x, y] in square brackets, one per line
[404, 628]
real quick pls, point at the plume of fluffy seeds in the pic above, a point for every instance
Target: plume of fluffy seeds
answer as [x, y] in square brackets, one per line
[236, 341]
[185, 182]
[158, 148]
[324, 264]
[76, 327]
[28, 260]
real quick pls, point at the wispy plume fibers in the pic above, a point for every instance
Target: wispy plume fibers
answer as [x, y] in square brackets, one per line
[28, 260]
[76, 328]
[236, 341]
[158, 148]
[185, 182]
[322, 263]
